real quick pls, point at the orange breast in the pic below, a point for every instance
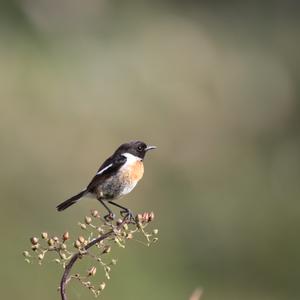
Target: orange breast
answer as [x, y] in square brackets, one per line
[137, 171]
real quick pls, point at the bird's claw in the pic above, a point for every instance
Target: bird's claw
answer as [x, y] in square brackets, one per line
[128, 214]
[109, 217]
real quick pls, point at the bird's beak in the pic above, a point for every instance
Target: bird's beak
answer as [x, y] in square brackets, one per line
[150, 148]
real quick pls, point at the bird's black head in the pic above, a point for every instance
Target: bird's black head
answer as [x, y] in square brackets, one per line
[136, 148]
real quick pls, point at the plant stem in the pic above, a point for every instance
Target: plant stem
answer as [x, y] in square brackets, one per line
[68, 268]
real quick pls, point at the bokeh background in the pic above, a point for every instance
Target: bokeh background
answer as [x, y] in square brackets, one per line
[215, 85]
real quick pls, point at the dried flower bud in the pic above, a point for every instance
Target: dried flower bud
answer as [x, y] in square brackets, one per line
[95, 213]
[129, 236]
[100, 230]
[125, 226]
[102, 286]
[35, 247]
[63, 247]
[83, 226]
[119, 222]
[88, 220]
[151, 216]
[155, 240]
[77, 244]
[145, 217]
[155, 231]
[40, 256]
[92, 271]
[63, 255]
[66, 236]
[114, 261]
[55, 239]
[81, 239]
[51, 242]
[139, 218]
[57, 260]
[107, 249]
[26, 254]
[34, 240]
[44, 235]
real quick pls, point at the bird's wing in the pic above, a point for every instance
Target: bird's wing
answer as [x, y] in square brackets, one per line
[107, 169]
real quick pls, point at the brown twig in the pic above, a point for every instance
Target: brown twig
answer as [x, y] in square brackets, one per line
[68, 267]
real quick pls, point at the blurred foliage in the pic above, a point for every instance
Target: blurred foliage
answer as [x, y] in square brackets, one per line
[214, 85]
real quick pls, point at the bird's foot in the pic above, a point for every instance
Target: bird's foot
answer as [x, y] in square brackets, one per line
[128, 214]
[109, 217]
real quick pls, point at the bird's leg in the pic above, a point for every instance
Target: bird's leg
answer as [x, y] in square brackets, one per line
[125, 211]
[110, 216]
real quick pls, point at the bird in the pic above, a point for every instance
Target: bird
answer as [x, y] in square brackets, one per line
[116, 177]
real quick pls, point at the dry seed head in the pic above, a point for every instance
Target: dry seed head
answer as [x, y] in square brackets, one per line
[107, 249]
[66, 236]
[34, 240]
[51, 242]
[100, 230]
[94, 213]
[44, 235]
[88, 220]
[26, 254]
[83, 226]
[129, 236]
[81, 239]
[77, 244]
[35, 247]
[145, 217]
[114, 261]
[155, 231]
[63, 247]
[40, 256]
[102, 286]
[139, 218]
[119, 222]
[92, 271]
[55, 239]
[151, 216]
[63, 255]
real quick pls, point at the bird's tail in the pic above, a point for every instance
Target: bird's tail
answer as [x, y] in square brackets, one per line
[70, 201]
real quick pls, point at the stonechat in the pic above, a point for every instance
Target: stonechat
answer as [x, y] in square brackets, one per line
[117, 176]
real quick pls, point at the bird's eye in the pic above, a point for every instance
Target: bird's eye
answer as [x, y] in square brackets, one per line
[140, 148]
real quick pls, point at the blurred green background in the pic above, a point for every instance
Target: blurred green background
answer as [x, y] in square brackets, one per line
[215, 85]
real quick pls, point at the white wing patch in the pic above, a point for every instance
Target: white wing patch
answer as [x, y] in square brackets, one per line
[104, 169]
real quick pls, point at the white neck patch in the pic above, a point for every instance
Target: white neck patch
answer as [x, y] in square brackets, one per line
[131, 158]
